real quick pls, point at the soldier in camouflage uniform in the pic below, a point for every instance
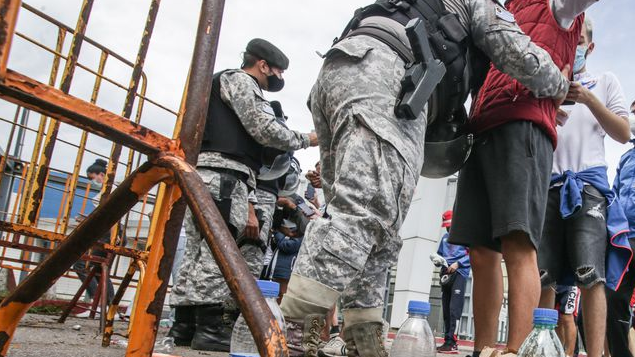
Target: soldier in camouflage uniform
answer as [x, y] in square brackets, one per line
[240, 125]
[371, 162]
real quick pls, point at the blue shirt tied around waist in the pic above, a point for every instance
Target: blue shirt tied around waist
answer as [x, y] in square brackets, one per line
[455, 254]
[619, 253]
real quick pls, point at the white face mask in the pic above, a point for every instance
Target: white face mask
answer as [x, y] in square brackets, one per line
[631, 121]
[96, 184]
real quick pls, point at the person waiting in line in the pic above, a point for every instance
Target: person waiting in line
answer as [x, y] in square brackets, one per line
[96, 173]
[286, 245]
[584, 240]
[455, 269]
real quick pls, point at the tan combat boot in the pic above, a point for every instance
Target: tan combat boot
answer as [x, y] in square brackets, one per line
[303, 337]
[365, 339]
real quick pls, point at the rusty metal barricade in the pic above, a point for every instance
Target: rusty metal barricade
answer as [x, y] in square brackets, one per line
[159, 178]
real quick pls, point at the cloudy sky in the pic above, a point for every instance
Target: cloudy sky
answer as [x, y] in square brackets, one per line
[299, 28]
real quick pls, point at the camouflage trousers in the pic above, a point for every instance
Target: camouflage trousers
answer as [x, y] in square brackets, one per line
[368, 180]
[200, 281]
[267, 205]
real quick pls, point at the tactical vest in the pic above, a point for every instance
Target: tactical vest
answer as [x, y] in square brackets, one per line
[449, 42]
[225, 134]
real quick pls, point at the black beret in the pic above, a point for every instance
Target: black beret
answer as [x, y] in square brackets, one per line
[267, 51]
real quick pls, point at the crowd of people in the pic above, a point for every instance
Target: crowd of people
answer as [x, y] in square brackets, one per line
[533, 190]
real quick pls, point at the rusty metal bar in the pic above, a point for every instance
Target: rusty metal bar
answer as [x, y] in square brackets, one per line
[8, 18]
[107, 214]
[69, 308]
[114, 304]
[132, 91]
[150, 294]
[30, 175]
[195, 102]
[264, 328]
[47, 100]
[59, 237]
[37, 191]
[68, 207]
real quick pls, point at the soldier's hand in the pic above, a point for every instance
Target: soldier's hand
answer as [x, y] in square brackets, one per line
[287, 203]
[252, 229]
[314, 178]
[313, 139]
[566, 72]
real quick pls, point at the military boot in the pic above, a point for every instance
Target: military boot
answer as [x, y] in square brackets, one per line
[212, 333]
[365, 340]
[303, 337]
[184, 325]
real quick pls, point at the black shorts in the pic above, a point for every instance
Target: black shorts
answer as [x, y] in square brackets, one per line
[573, 251]
[503, 186]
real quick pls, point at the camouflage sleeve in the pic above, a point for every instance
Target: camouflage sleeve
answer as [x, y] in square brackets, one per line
[495, 31]
[243, 95]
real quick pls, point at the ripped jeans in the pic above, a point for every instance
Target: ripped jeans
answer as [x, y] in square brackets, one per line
[573, 251]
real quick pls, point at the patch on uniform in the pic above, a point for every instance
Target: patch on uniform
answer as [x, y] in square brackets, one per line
[266, 107]
[503, 14]
[595, 212]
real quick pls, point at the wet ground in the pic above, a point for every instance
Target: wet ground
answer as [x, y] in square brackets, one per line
[42, 336]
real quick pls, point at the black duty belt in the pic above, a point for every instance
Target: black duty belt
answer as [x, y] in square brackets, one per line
[239, 175]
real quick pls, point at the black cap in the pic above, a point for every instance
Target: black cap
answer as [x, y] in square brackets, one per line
[267, 51]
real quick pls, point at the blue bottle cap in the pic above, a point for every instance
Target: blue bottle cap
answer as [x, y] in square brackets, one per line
[419, 307]
[269, 288]
[545, 317]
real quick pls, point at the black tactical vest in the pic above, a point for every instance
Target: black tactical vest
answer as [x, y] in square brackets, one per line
[224, 133]
[449, 42]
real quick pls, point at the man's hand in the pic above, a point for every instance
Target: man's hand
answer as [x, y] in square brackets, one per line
[286, 203]
[252, 230]
[580, 94]
[452, 268]
[314, 178]
[566, 72]
[313, 139]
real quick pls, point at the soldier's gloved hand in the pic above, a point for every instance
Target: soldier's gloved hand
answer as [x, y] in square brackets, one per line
[313, 139]
[252, 230]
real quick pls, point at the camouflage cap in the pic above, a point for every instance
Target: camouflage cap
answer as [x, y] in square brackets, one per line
[267, 51]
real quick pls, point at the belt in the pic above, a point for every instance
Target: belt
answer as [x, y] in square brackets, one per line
[239, 175]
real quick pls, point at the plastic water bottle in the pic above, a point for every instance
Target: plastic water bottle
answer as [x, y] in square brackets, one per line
[543, 341]
[242, 342]
[415, 336]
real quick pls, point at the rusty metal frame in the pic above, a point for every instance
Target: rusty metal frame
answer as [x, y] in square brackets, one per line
[170, 164]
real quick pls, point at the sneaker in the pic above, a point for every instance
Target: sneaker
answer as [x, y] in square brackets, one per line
[448, 348]
[335, 347]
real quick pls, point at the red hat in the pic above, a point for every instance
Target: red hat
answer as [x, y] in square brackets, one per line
[447, 219]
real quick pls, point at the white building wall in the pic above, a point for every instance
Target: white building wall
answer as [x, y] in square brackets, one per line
[420, 233]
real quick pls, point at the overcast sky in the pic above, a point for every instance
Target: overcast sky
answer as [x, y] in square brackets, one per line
[299, 28]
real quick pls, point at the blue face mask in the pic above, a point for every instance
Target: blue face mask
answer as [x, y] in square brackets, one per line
[580, 58]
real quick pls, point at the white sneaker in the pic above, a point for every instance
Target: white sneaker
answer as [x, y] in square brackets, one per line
[335, 347]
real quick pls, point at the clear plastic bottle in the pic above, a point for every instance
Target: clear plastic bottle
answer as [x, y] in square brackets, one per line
[543, 341]
[242, 343]
[415, 337]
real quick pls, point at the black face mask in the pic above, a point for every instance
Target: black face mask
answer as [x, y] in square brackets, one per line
[274, 84]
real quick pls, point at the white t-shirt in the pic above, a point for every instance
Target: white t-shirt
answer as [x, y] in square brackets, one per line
[581, 139]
